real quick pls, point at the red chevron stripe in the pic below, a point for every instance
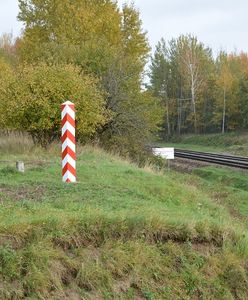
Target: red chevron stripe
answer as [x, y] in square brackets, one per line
[70, 168]
[68, 135]
[72, 106]
[68, 179]
[69, 151]
[68, 118]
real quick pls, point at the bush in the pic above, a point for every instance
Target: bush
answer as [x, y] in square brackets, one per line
[36, 93]
[6, 79]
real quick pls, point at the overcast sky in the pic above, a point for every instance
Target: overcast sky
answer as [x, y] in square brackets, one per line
[220, 24]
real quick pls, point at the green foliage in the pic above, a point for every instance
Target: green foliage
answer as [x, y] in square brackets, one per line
[36, 93]
[84, 37]
[200, 94]
[6, 79]
[8, 48]
[180, 74]
[160, 70]
[243, 94]
[104, 41]
[133, 127]
[8, 170]
[8, 262]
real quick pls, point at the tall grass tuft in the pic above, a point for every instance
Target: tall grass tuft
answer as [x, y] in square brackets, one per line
[15, 143]
[21, 143]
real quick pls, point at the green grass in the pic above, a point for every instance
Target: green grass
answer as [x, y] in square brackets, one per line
[231, 187]
[193, 147]
[120, 232]
[233, 143]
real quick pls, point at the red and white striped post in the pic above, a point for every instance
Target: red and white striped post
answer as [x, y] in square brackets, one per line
[68, 142]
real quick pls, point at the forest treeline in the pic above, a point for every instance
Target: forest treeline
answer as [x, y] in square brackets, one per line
[201, 94]
[94, 54]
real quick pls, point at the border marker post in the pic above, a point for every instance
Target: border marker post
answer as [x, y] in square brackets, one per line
[68, 142]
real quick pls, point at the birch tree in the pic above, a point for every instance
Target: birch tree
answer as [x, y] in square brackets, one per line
[192, 59]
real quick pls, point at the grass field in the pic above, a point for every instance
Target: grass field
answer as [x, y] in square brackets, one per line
[233, 143]
[120, 232]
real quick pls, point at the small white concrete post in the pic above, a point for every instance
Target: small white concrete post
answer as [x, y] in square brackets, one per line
[20, 166]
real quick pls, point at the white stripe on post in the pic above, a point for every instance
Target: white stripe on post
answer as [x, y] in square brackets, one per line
[68, 142]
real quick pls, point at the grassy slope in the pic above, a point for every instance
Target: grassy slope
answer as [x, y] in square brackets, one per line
[233, 143]
[230, 188]
[120, 232]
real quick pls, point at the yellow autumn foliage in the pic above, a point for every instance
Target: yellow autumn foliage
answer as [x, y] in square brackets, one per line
[36, 92]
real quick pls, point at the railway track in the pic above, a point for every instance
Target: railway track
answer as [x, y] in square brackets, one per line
[214, 158]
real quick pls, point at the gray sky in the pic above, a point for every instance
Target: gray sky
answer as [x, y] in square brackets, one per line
[8, 13]
[220, 24]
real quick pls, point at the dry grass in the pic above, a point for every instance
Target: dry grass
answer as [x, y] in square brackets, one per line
[15, 142]
[19, 143]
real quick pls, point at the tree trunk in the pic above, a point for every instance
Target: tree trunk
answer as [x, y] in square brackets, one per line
[168, 117]
[193, 79]
[224, 111]
[179, 118]
[194, 108]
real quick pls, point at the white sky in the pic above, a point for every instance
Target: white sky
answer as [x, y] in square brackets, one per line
[8, 14]
[220, 24]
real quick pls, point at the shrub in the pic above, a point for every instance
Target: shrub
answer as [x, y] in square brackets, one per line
[35, 95]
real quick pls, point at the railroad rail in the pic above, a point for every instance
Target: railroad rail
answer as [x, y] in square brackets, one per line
[214, 158]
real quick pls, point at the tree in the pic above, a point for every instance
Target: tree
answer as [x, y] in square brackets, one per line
[180, 73]
[8, 48]
[224, 82]
[131, 131]
[69, 31]
[7, 77]
[161, 77]
[231, 71]
[243, 104]
[103, 41]
[192, 59]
